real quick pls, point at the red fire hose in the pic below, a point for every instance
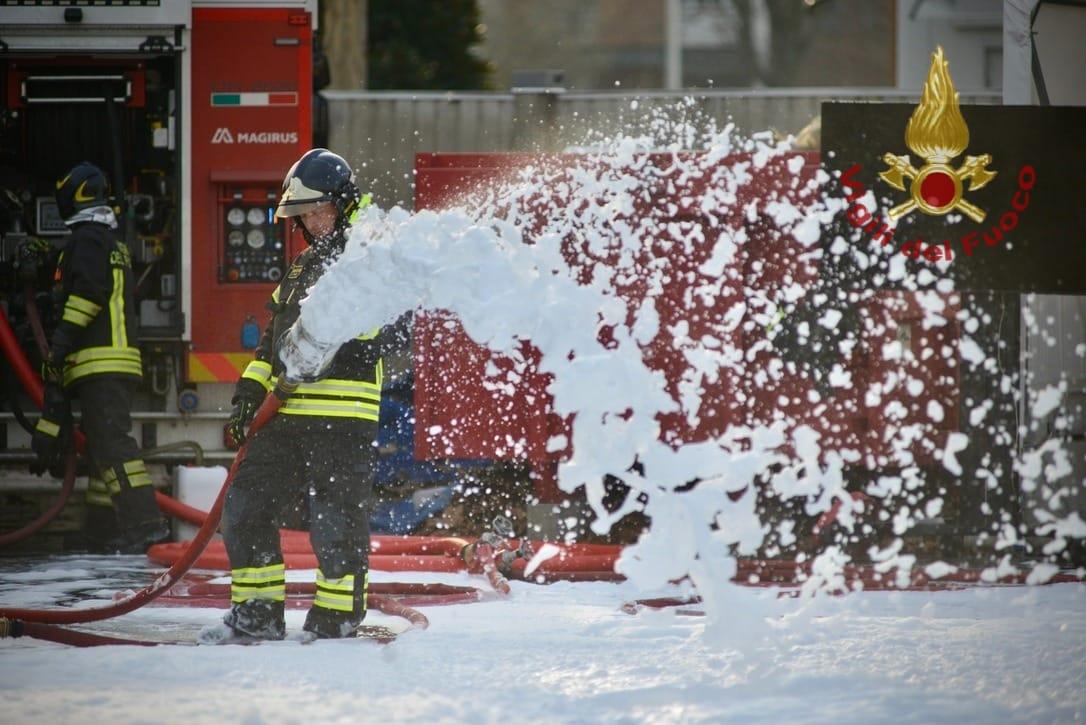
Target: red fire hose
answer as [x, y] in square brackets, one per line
[21, 366]
[36, 623]
[395, 608]
[574, 562]
[34, 317]
[49, 514]
[33, 387]
[62, 635]
[173, 507]
[173, 575]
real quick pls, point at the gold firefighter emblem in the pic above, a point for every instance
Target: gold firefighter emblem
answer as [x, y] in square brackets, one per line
[937, 133]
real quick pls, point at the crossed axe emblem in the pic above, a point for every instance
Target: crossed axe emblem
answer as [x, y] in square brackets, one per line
[900, 168]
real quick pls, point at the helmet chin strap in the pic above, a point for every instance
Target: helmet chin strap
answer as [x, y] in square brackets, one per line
[327, 246]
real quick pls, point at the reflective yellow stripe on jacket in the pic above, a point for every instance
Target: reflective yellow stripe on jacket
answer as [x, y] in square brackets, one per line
[80, 311]
[261, 372]
[116, 310]
[338, 398]
[47, 427]
[98, 360]
[116, 358]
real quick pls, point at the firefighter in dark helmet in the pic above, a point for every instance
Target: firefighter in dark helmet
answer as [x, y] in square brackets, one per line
[94, 358]
[317, 454]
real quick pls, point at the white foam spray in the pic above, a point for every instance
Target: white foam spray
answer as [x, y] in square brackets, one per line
[541, 258]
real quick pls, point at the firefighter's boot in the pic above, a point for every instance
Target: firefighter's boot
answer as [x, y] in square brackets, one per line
[101, 528]
[259, 618]
[138, 515]
[329, 624]
[338, 607]
[141, 537]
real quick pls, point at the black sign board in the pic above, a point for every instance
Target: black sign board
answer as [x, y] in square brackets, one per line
[1022, 229]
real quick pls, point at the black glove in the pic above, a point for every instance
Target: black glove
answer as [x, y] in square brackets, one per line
[248, 395]
[31, 258]
[51, 433]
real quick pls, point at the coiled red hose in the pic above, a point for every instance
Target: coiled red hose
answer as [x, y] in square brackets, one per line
[33, 387]
[161, 585]
[10, 345]
[19, 364]
[63, 635]
[394, 608]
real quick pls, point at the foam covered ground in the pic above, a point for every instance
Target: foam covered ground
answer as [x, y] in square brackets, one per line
[566, 653]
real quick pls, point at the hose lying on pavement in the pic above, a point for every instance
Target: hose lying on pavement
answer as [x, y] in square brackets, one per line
[63, 635]
[161, 585]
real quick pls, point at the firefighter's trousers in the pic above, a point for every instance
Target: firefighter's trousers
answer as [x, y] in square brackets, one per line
[303, 468]
[119, 490]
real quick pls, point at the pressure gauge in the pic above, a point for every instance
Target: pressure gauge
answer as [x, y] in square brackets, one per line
[256, 216]
[235, 238]
[236, 216]
[255, 238]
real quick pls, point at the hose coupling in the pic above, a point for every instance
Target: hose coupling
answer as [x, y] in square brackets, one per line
[285, 388]
[10, 627]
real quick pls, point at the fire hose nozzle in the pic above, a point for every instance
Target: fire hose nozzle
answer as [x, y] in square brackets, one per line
[10, 628]
[489, 537]
[506, 559]
[502, 526]
[306, 358]
[285, 388]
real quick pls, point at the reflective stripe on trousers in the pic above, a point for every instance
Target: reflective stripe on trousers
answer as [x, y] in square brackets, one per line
[259, 582]
[103, 487]
[338, 594]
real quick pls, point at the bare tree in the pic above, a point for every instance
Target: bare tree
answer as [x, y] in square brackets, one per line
[343, 34]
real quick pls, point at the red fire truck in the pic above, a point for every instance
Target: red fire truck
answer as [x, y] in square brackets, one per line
[195, 108]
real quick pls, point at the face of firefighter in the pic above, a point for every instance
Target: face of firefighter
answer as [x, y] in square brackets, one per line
[321, 221]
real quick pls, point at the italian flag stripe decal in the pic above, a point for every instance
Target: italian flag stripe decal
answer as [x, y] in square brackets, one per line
[277, 98]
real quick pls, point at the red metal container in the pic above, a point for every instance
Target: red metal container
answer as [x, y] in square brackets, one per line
[459, 417]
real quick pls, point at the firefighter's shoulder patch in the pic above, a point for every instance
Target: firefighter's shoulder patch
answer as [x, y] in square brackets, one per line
[120, 256]
[295, 271]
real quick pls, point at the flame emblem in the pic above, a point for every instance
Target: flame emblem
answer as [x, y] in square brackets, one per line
[937, 133]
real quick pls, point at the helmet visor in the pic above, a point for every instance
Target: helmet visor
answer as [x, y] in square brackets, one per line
[299, 199]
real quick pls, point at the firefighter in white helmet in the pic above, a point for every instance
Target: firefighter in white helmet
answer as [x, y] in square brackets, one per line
[94, 357]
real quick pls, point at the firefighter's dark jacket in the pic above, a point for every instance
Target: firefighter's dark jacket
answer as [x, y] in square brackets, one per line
[351, 387]
[96, 335]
